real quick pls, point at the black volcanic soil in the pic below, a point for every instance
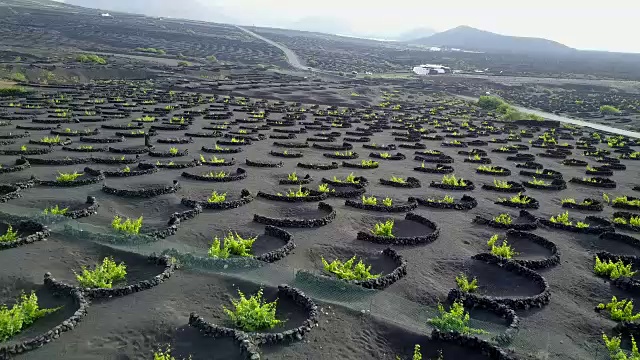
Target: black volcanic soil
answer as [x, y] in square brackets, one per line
[132, 326]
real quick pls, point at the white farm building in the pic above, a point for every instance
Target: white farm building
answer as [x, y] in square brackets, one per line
[431, 69]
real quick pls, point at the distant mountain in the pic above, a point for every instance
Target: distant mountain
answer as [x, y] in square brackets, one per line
[468, 38]
[183, 9]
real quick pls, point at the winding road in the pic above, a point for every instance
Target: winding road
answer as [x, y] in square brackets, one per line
[568, 120]
[292, 58]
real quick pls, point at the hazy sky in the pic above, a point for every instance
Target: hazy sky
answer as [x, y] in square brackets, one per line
[612, 25]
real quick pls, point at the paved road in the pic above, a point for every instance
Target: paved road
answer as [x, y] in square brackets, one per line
[568, 120]
[292, 58]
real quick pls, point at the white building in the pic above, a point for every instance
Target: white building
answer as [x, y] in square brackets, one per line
[431, 69]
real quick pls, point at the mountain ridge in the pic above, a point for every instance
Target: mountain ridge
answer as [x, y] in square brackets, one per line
[469, 38]
[184, 9]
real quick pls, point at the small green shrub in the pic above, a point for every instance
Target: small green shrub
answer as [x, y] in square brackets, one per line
[146, 118]
[254, 313]
[581, 225]
[369, 200]
[591, 180]
[55, 211]
[417, 355]
[12, 91]
[151, 50]
[216, 250]
[568, 201]
[103, 276]
[613, 270]
[398, 180]
[465, 285]
[538, 182]
[505, 250]
[433, 152]
[67, 177]
[236, 140]
[456, 320]
[173, 151]
[292, 177]
[446, 200]
[234, 244]
[128, 226]
[298, 193]
[93, 58]
[368, 163]
[490, 169]
[348, 271]
[518, 199]
[621, 310]
[163, 354]
[212, 160]
[10, 235]
[238, 245]
[503, 219]
[608, 109]
[387, 201]
[385, 155]
[623, 200]
[561, 219]
[501, 184]
[51, 140]
[351, 178]
[616, 353]
[216, 198]
[24, 313]
[490, 102]
[126, 169]
[324, 188]
[384, 228]
[633, 220]
[218, 175]
[453, 181]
